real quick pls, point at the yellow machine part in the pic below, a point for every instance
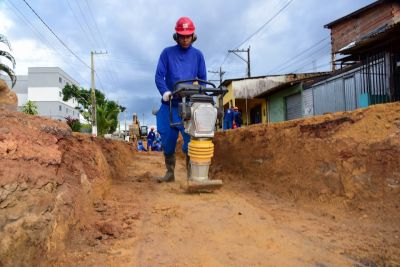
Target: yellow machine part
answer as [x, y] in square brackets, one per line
[201, 151]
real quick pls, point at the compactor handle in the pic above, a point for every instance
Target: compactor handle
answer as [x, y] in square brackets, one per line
[187, 88]
[171, 123]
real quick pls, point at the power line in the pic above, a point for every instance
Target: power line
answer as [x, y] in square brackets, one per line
[58, 38]
[86, 22]
[95, 24]
[43, 38]
[296, 58]
[80, 24]
[113, 79]
[258, 30]
[315, 54]
[283, 65]
[266, 23]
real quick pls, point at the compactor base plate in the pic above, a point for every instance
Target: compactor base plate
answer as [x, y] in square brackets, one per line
[206, 186]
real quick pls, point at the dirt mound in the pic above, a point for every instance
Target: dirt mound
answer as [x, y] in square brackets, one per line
[49, 181]
[326, 188]
[349, 158]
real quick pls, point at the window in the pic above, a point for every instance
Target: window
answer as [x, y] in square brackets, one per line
[73, 113]
[59, 108]
[66, 110]
[59, 79]
[60, 94]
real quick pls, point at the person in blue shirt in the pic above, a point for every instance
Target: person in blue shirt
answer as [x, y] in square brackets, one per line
[237, 116]
[228, 119]
[150, 138]
[140, 146]
[176, 63]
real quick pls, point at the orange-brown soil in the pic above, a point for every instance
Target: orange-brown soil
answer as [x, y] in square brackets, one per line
[323, 191]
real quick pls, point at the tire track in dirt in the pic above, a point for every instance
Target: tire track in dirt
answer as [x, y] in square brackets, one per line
[219, 229]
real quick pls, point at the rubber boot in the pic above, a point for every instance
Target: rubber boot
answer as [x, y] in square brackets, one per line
[170, 164]
[188, 167]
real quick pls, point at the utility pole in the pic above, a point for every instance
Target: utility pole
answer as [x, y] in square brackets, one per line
[94, 119]
[220, 73]
[125, 125]
[220, 98]
[248, 58]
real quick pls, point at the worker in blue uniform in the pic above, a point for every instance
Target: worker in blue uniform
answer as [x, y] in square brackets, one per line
[141, 147]
[228, 119]
[176, 63]
[237, 117]
[150, 139]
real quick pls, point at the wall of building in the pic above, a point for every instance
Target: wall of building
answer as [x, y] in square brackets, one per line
[228, 97]
[353, 29]
[48, 77]
[277, 104]
[56, 110]
[21, 86]
[264, 108]
[43, 86]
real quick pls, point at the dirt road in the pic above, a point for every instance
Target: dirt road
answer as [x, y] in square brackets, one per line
[323, 191]
[159, 225]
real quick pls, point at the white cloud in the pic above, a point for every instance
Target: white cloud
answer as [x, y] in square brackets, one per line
[6, 23]
[28, 53]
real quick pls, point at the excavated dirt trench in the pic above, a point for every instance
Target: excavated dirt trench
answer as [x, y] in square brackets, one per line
[318, 192]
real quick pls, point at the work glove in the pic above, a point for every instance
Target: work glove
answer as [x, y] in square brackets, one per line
[166, 95]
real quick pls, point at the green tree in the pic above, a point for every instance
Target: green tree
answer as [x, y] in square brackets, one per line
[30, 108]
[73, 123]
[107, 110]
[4, 67]
[107, 117]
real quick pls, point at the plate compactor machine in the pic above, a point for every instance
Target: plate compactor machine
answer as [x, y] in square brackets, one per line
[198, 114]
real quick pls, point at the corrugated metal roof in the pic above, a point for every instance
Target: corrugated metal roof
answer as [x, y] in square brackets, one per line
[251, 87]
[309, 79]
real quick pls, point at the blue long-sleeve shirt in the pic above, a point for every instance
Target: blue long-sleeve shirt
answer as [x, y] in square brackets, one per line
[176, 64]
[151, 136]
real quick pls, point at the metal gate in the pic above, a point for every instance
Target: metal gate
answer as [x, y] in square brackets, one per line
[396, 77]
[293, 107]
[350, 93]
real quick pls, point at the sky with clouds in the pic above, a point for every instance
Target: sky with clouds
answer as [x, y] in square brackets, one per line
[134, 33]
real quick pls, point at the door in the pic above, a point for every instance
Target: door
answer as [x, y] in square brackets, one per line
[255, 115]
[293, 106]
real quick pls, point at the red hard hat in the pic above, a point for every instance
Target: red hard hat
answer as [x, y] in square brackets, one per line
[184, 26]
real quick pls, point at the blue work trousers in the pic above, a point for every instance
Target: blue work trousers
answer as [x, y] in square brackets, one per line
[227, 125]
[169, 135]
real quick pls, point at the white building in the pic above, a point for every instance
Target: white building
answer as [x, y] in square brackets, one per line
[43, 86]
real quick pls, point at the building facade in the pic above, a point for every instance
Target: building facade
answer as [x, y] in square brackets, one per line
[43, 86]
[366, 61]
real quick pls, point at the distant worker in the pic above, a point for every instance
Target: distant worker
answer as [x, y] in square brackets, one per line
[237, 117]
[228, 119]
[150, 138]
[176, 63]
[157, 146]
[140, 146]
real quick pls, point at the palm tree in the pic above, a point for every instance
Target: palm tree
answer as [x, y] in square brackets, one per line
[30, 108]
[107, 117]
[7, 55]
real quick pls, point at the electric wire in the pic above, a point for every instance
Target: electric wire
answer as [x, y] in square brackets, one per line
[58, 38]
[284, 65]
[266, 23]
[90, 41]
[50, 47]
[113, 79]
[86, 22]
[315, 54]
